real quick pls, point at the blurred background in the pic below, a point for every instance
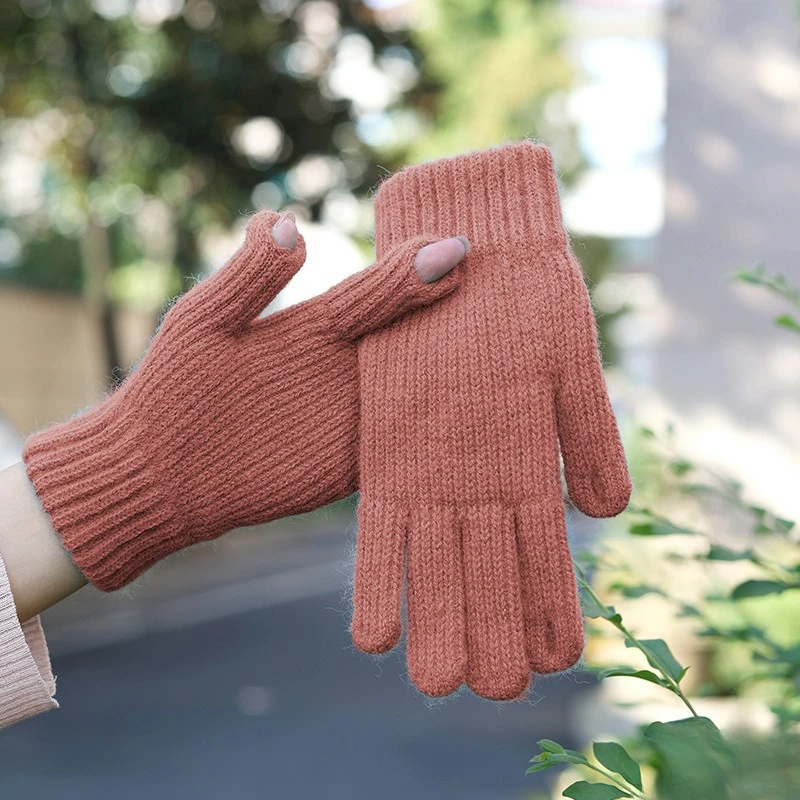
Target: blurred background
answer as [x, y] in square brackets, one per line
[136, 135]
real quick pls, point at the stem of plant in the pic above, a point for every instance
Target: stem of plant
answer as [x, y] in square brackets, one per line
[674, 685]
[613, 778]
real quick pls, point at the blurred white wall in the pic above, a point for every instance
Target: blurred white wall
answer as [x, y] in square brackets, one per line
[732, 178]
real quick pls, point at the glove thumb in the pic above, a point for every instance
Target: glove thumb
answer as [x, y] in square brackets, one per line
[392, 287]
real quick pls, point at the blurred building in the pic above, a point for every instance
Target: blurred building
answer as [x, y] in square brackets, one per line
[732, 178]
[688, 115]
[51, 365]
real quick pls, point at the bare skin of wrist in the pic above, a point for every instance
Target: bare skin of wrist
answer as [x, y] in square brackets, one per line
[40, 570]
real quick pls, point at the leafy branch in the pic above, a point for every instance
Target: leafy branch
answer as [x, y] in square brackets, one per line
[778, 285]
[614, 764]
[656, 651]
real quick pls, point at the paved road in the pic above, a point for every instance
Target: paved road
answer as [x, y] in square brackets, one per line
[269, 703]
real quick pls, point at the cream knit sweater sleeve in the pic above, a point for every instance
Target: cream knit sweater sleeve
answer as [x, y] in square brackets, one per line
[27, 685]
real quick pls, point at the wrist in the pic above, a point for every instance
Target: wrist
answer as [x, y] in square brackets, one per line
[40, 570]
[495, 196]
[100, 488]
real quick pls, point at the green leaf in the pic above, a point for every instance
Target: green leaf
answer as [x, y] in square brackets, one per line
[787, 321]
[759, 588]
[636, 591]
[592, 608]
[692, 759]
[630, 672]
[658, 526]
[615, 757]
[681, 467]
[699, 488]
[551, 758]
[718, 552]
[549, 746]
[583, 790]
[585, 559]
[575, 757]
[754, 275]
[768, 523]
[688, 610]
[783, 525]
[553, 753]
[660, 657]
[540, 766]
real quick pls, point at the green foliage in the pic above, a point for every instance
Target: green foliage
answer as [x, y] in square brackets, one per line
[615, 757]
[765, 768]
[493, 85]
[131, 122]
[668, 671]
[119, 110]
[653, 525]
[760, 588]
[748, 606]
[632, 672]
[51, 263]
[779, 286]
[659, 657]
[692, 759]
[583, 790]
[553, 754]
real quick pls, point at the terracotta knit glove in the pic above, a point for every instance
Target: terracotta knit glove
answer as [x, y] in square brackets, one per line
[230, 419]
[460, 443]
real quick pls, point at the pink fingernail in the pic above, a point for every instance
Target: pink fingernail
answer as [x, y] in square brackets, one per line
[285, 231]
[437, 259]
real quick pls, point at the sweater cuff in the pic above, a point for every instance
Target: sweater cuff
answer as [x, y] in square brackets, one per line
[105, 499]
[26, 680]
[506, 193]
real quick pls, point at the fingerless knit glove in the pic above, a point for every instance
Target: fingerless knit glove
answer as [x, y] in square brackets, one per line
[463, 407]
[230, 419]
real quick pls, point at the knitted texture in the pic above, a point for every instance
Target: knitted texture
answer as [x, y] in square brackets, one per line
[27, 685]
[230, 419]
[463, 408]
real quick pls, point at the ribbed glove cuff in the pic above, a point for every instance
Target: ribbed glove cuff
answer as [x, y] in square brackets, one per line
[113, 513]
[507, 193]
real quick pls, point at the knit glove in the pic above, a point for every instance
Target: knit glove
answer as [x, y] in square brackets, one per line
[230, 419]
[463, 408]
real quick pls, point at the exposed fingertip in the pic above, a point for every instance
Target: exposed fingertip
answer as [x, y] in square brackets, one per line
[435, 260]
[285, 231]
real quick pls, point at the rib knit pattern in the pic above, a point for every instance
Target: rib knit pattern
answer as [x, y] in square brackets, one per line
[230, 419]
[26, 682]
[465, 409]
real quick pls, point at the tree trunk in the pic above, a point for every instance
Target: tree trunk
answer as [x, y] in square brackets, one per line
[97, 264]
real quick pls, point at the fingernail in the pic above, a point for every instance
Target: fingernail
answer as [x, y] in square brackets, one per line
[284, 231]
[437, 259]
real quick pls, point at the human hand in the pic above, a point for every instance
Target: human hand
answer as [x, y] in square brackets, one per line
[460, 476]
[230, 419]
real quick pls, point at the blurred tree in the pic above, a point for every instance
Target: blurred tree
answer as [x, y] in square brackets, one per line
[491, 71]
[128, 126]
[131, 128]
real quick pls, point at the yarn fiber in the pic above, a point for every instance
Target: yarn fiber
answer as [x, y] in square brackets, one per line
[465, 409]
